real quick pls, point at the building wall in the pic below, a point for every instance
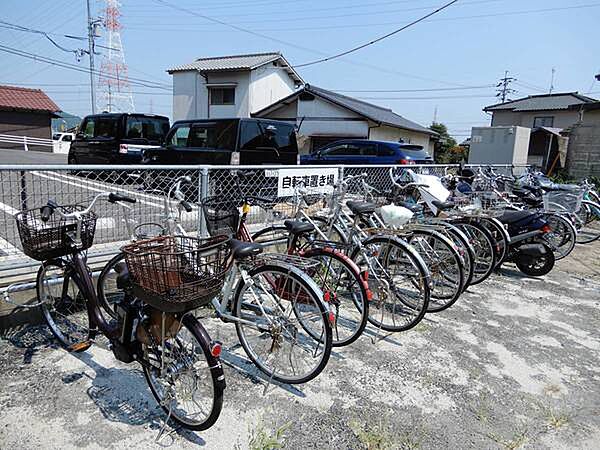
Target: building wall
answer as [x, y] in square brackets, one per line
[562, 119]
[499, 145]
[386, 133]
[21, 123]
[269, 84]
[583, 154]
[186, 93]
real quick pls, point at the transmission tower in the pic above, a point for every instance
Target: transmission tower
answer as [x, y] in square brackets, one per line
[113, 81]
[504, 89]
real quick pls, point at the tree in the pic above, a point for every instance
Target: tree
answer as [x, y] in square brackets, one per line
[446, 148]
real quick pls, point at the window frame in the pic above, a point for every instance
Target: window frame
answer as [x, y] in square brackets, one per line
[173, 134]
[543, 118]
[221, 101]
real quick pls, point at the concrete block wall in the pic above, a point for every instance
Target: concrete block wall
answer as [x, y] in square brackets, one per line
[583, 156]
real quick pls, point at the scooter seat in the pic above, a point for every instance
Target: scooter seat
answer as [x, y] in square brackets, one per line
[241, 249]
[510, 217]
[297, 227]
[412, 207]
[359, 208]
[443, 206]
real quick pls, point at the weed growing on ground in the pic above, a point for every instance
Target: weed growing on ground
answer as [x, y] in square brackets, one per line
[263, 439]
[372, 437]
[551, 389]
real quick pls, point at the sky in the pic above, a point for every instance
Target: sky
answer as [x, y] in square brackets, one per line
[445, 67]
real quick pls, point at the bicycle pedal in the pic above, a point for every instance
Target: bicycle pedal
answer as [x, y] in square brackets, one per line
[80, 346]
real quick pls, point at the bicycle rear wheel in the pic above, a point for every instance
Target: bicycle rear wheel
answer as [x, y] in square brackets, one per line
[483, 244]
[108, 292]
[398, 280]
[284, 325]
[62, 303]
[562, 237]
[465, 249]
[190, 388]
[588, 222]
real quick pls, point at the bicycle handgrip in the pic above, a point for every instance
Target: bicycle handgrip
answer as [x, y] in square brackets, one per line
[186, 206]
[46, 212]
[113, 197]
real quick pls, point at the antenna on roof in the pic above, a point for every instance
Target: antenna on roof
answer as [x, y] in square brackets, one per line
[552, 81]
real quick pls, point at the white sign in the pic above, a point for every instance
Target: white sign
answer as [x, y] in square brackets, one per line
[320, 180]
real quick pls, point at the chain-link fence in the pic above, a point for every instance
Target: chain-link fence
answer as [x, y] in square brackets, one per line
[29, 187]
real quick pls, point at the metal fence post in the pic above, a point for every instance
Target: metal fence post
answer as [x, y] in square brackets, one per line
[203, 181]
[23, 190]
[341, 173]
[25, 143]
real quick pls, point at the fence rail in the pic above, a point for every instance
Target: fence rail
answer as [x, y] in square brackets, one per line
[26, 187]
[25, 141]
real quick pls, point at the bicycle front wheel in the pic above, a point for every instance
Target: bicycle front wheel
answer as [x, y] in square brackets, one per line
[283, 323]
[184, 377]
[62, 303]
[562, 236]
[588, 222]
[108, 292]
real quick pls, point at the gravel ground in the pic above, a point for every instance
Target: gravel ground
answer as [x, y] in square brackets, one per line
[514, 364]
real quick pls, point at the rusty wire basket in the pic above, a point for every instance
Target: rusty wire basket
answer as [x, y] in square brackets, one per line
[178, 273]
[55, 237]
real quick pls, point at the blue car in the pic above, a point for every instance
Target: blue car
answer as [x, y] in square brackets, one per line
[364, 152]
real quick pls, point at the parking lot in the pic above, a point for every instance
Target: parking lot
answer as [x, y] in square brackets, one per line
[514, 364]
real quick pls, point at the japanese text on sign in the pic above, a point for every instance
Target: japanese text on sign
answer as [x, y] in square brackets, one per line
[313, 180]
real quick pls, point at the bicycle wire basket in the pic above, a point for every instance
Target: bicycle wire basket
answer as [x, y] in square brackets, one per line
[222, 216]
[178, 273]
[562, 201]
[54, 238]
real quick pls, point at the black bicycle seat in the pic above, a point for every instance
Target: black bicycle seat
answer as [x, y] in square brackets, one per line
[359, 208]
[297, 227]
[241, 249]
[442, 206]
[510, 217]
[412, 207]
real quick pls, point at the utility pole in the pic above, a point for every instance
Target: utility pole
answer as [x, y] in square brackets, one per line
[503, 87]
[552, 81]
[435, 111]
[91, 54]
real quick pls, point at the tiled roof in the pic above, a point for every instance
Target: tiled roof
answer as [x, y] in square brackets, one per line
[370, 111]
[27, 99]
[545, 102]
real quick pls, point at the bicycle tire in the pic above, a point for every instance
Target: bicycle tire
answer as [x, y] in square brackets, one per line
[64, 309]
[483, 243]
[336, 234]
[318, 306]
[468, 252]
[567, 235]
[216, 372]
[592, 214]
[274, 238]
[422, 283]
[440, 274]
[500, 236]
[357, 289]
[108, 294]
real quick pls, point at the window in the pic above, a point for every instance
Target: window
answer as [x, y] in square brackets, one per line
[543, 122]
[105, 128]
[368, 149]
[222, 96]
[56, 137]
[180, 136]
[220, 135]
[88, 128]
[338, 150]
[67, 138]
[255, 135]
[150, 129]
[384, 150]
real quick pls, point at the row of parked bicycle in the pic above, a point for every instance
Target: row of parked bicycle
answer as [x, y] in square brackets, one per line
[294, 287]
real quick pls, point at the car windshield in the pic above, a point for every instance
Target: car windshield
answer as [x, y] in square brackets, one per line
[150, 129]
[56, 136]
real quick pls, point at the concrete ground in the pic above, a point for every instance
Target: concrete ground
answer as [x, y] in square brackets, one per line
[514, 364]
[31, 157]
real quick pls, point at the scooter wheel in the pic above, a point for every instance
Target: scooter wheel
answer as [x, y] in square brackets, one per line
[536, 267]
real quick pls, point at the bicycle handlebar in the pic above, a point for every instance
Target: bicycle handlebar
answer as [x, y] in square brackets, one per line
[52, 206]
[114, 197]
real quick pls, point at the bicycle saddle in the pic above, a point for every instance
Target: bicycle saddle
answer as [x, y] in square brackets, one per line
[442, 206]
[123, 279]
[298, 227]
[361, 207]
[514, 216]
[241, 249]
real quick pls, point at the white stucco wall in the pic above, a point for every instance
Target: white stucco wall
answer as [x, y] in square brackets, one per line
[324, 118]
[386, 133]
[562, 119]
[268, 84]
[185, 101]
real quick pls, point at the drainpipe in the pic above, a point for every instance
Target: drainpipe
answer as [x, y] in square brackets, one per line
[376, 126]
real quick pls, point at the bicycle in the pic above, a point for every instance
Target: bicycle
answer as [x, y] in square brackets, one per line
[179, 360]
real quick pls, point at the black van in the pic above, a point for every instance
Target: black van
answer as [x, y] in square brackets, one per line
[227, 141]
[117, 138]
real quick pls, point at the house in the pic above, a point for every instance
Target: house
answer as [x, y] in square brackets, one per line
[583, 153]
[26, 112]
[547, 110]
[323, 116]
[231, 86]
[549, 116]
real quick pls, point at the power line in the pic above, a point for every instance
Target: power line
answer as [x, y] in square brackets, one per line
[416, 90]
[65, 65]
[425, 98]
[504, 89]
